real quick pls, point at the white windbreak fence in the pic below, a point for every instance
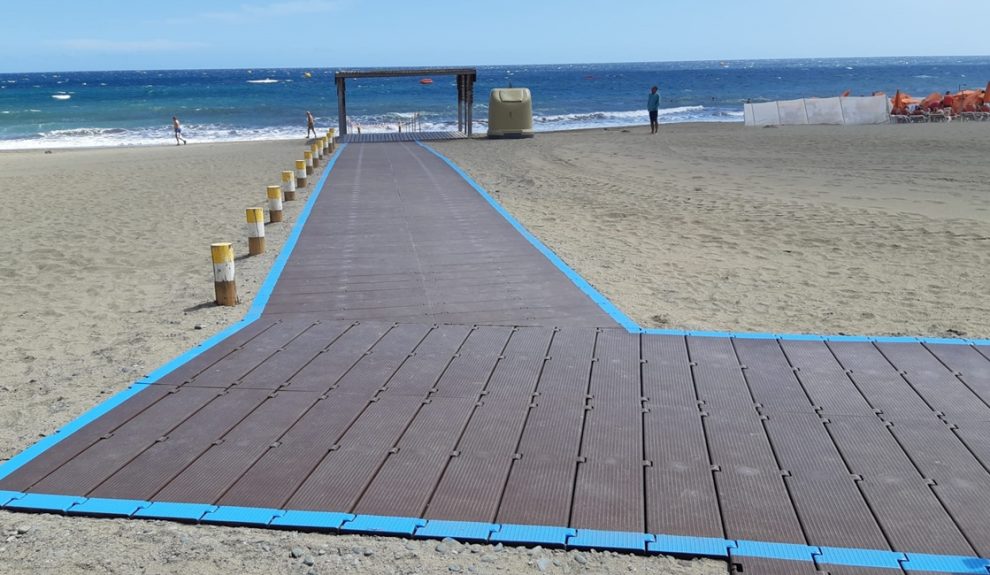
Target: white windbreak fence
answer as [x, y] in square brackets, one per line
[853, 110]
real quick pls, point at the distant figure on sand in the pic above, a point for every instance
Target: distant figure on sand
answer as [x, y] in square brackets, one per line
[653, 107]
[177, 128]
[310, 124]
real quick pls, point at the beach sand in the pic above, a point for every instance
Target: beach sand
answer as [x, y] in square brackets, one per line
[107, 275]
[875, 230]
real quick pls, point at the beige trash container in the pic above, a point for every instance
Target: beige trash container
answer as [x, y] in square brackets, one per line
[510, 113]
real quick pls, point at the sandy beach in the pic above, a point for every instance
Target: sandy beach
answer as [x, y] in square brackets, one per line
[876, 230]
[106, 276]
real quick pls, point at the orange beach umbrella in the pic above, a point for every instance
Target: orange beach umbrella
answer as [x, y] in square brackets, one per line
[933, 98]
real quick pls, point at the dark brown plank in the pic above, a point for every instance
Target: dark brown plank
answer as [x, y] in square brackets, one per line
[824, 379]
[326, 369]
[87, 470]
[609, 496]
[878, 381]
[147, 473]
[287, 361]
[52, 458]
[289, 460]
[936, 384]
[211, 355]
[471, 488]
[666, 371]
[680, 488]
[209, 477]
[247, 357]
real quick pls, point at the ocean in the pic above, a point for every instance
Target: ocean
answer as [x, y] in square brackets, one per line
[133, 108]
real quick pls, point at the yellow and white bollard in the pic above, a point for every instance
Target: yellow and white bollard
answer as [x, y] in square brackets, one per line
[314, 151]
[288, 186]
[308, 158]
[319, 149]
[256, 231]
[275, 203]
[325, 145]
[300, 173]
[223, 273]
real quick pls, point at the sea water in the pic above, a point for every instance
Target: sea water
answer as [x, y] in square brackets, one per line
[125, 108]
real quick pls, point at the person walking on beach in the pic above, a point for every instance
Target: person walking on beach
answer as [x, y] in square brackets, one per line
[310, 124]
[177, 128]
[653, 107]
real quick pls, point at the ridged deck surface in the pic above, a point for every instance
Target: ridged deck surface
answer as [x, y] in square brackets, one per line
[420, 358]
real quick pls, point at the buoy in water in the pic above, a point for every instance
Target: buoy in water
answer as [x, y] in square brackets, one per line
[425, 81]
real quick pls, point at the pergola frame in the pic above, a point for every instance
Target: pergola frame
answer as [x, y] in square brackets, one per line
[466, 77]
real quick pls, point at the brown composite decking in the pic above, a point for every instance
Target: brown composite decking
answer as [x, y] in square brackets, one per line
[419, 358]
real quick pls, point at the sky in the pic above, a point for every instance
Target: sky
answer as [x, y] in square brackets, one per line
[68, 35]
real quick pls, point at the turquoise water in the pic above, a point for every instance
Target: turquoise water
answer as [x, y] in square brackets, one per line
[68, 109]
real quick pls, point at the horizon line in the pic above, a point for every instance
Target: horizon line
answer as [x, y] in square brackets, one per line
[599, 63]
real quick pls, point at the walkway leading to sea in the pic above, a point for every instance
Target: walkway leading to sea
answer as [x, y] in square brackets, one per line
[421, 368]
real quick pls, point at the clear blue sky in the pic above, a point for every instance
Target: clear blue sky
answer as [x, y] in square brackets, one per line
[49, 35]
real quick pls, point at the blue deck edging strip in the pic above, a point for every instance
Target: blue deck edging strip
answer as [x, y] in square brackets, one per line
[624, 320]
[562, 537]
[582, 284]
[93, 414]
[472, 531]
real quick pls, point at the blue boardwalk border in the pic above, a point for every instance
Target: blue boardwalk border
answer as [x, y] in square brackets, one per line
[334, 522]
[624, 320]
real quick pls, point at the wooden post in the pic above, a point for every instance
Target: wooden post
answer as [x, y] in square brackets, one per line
[223, 273]
[288, 186]
[300, 173]
[275, 203]
[308, 158]
[342, 105]
[256, 231]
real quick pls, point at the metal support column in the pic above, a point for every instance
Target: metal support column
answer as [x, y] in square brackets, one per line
[460, 104]
[469, 80]
[341, 107]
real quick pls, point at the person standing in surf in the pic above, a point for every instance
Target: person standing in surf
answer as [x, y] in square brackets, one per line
[653, 107]
[310, 124]
[177, 128]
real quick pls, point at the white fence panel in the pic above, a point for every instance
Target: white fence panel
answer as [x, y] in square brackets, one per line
[792, 112]
[765, 114]
[865, 110]
[855, 110]
[824, 110]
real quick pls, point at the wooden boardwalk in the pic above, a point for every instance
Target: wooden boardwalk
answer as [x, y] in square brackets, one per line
[420, 359]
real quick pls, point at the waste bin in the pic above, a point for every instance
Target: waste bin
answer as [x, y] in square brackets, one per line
[510, 113]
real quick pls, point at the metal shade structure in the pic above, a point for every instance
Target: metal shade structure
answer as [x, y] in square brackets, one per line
[466, 77]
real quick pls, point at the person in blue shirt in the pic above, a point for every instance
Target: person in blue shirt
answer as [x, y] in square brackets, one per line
[653, 107]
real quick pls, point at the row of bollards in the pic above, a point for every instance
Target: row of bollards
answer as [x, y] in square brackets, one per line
[223, 253]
